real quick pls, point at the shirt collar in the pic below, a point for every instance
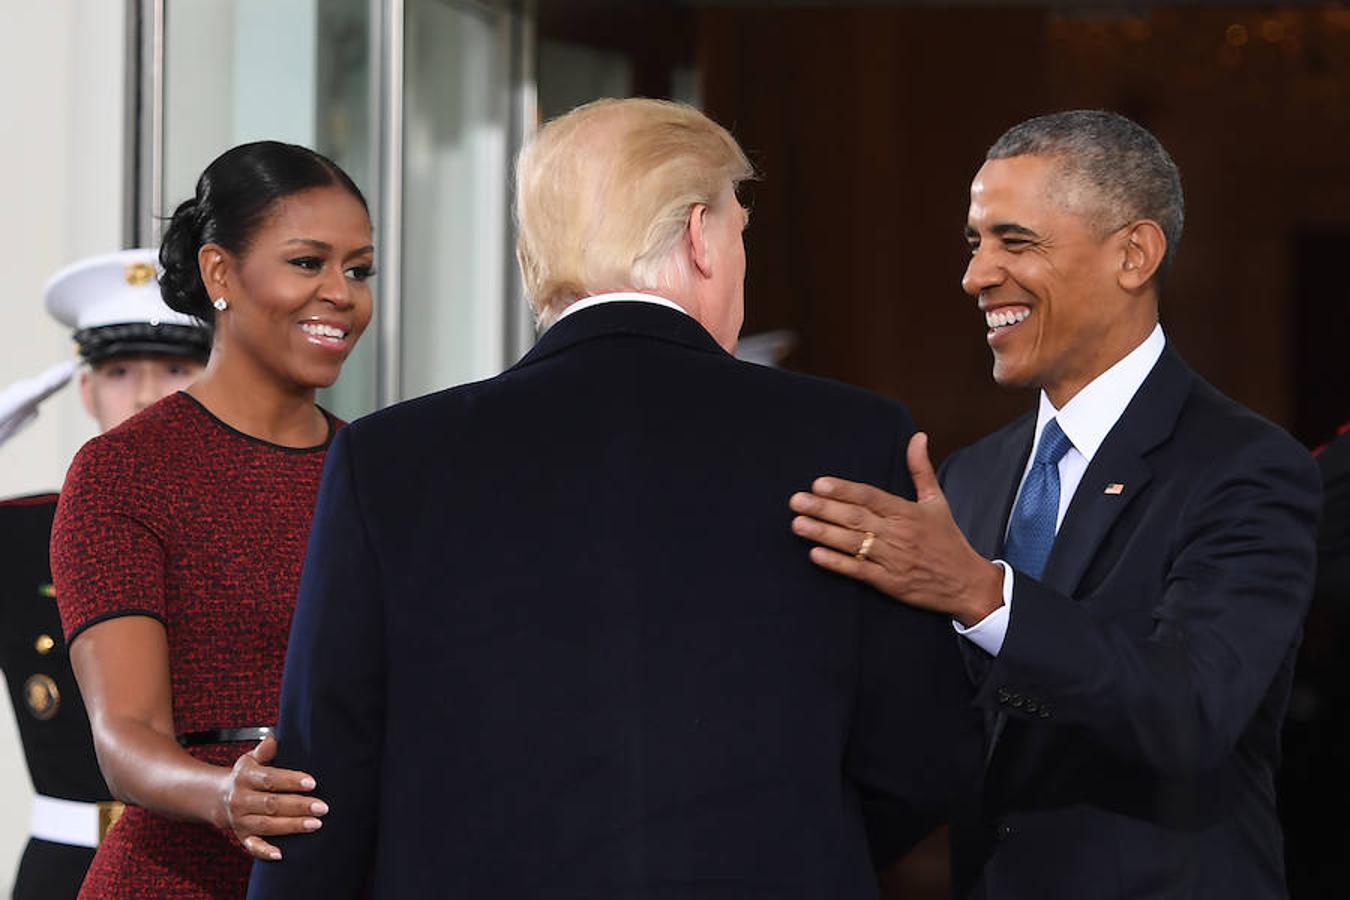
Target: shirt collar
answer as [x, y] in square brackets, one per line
[1091, 414]
[615, 297]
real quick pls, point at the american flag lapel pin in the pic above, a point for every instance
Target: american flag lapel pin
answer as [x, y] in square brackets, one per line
[1114, 488]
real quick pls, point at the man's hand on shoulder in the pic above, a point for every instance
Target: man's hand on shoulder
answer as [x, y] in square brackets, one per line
[915, 552]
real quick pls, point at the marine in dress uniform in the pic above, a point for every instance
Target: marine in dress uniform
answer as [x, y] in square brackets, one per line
[136, 350]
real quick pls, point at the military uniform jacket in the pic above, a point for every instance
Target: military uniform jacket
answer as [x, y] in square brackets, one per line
[47, 704]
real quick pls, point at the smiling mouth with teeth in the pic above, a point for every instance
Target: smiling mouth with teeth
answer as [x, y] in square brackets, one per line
[998, 318]
[319, 330]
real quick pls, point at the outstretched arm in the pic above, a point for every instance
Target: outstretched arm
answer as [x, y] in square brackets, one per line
[1227, 603]
[916, 554]
[122, 665]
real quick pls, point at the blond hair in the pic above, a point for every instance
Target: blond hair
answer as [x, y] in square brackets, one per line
[603, 195]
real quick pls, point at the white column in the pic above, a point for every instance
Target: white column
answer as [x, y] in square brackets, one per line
[62, 61]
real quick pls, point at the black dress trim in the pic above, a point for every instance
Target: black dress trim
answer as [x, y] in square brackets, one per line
[115, 614]
[328, 417]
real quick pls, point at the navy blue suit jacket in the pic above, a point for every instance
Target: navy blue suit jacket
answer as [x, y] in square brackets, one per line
[1138, 697]
[554, 638]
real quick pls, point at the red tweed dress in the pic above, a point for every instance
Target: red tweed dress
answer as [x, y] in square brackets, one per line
[176, 516]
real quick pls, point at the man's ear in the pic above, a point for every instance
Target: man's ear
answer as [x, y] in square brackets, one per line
[214, 263]
[1142, 254]
[697, 229]
[87, 393]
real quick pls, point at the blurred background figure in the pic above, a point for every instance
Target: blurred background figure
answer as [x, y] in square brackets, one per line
[768, 348]
[136, 350]
[1317, 729]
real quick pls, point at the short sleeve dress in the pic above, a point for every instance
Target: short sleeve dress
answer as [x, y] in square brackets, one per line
[176, 516]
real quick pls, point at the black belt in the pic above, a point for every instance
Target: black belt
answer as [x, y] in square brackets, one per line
[225, 735]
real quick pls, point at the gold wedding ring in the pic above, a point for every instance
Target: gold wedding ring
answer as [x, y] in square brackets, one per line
[868, 538]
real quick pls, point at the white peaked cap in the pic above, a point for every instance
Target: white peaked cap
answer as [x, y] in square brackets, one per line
[113, 289]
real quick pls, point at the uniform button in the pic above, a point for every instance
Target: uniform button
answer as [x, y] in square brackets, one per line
[42, 695]
[1003, 831]
[44, 644]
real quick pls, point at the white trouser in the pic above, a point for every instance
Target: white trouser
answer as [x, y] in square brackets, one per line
[65, 821]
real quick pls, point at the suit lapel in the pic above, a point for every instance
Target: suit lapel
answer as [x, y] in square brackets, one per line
[1148, 420]
[1093, 510]
[1118, 473]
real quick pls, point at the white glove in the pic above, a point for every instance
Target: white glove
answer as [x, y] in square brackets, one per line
[767, 348]
[19, 402]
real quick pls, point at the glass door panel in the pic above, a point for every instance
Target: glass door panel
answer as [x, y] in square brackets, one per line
[446, 82]
[456, 165]
[289, 70]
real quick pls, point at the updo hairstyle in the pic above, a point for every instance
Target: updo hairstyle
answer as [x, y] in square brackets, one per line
[234, 197]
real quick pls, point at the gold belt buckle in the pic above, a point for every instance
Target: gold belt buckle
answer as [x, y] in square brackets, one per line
[109, 811]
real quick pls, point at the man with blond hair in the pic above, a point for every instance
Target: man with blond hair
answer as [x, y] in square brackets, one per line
[553, 637]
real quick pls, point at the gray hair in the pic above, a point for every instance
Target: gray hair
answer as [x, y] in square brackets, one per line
[1125, 171]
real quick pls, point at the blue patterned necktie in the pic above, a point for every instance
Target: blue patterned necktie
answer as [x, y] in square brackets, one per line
[1031, 532]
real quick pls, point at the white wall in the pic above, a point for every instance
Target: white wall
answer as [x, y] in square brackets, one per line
[61, 65]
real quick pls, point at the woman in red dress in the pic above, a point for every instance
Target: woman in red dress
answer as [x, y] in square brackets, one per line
[179, 537]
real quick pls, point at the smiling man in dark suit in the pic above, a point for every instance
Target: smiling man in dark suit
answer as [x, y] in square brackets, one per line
[554, 638]
[1129, 564]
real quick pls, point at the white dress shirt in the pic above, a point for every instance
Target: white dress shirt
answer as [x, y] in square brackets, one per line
[1085, 420]
[597, 299]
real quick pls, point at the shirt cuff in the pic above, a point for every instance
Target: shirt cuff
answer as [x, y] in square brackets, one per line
[989, 632]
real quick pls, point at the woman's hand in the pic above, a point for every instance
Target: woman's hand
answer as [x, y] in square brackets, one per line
[257, 800]
[122, 665]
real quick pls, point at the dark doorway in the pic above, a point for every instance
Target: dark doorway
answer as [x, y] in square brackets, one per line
[1321, 330]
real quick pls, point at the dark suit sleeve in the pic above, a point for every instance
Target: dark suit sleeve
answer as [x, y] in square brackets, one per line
[331, 723]
[1227, 606]
[915, 735]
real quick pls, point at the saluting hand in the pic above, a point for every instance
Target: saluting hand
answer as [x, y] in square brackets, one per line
[917, 553]
[260, 800]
